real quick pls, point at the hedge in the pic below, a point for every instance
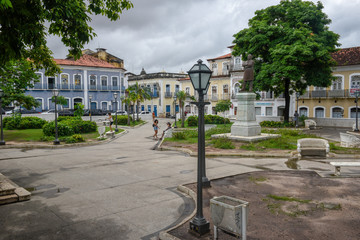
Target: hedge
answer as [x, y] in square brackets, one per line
[69, 127]
[275, 124]
[209, 119]
[121, 119]
[63, 129]
[23, 122]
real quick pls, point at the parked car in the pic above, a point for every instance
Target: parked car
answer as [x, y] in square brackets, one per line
[120, 112]
[68, 112]
[51, 111]
[95, 112]
[145, 113]
[22, 111]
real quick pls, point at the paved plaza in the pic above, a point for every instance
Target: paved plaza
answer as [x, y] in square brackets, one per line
[116, 190]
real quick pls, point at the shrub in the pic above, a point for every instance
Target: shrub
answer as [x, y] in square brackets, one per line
[122, 119]
[215, 119]
[18, 122]
[192, 121]
[64, 118]
[63, 129]
[80, 126]
[223, 143]
[47, 138]
[275, 124]
[218, 130]
[75, 139]
[179, 135]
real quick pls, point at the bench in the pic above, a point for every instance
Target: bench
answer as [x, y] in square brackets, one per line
[338, 165]
[313, 147]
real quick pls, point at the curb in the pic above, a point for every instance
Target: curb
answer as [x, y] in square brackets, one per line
[165, 235]
[39, 146]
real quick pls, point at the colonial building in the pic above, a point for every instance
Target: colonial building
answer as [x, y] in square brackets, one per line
[338, 100]
[89, 75]
[163, 86]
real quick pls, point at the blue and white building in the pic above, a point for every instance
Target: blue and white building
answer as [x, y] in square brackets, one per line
[89, 75]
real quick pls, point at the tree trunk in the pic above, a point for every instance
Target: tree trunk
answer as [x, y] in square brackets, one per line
[287, 100]
[128, 113]
[182, 115]
[134, 111]
[137, 110]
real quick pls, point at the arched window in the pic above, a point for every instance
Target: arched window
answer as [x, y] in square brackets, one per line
[337, 112]
[64, 81]
[354, 83]
[237, 88]
[303, 111]
[353, 112]
[92, 84]
[77, 81]
[104, 82]
[319, 112]
[337, 83]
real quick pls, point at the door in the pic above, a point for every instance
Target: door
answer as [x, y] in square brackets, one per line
[39, 108]
[104, 106]
[93, 105]
[155, 110]
[167, 108]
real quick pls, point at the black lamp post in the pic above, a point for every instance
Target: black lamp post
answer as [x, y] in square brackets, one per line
[175, 98]
[200, 75]
[115, 98]
[297, 109]
[56, 94]
[90, 98]
[357, 94]
[2, 142]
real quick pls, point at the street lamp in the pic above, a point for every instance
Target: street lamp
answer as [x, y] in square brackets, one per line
[115, 97]
[357, 94]
[200, 75]
[175, 98]
[55, 93]
[90, 98]
[2, 142]
[297, 109]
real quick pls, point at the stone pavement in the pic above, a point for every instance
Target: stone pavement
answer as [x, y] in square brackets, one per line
[118, 190]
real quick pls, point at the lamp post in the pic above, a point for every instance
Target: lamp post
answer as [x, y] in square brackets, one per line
[56, 94]
[2, 142]
[357, 94]
[200, 75]
[115, 98]
[175, 98]
[90, 98]
[297, 109]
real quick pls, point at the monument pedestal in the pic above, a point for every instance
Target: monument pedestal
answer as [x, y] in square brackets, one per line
[245, 124]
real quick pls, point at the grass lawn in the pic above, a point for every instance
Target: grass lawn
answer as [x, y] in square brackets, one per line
[24, 135]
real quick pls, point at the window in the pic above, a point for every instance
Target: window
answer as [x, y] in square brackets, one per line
[92, 82]
[77, 81]
[337, 83]
[103, 80]
[177, 88]
[237, 87]
[225, 70]
[355, 83]
[214, 65]
[237, 60]
[51, 82]
[353, 113]
[337, 112]
[226, 89]
[64, 79]
[269, 111]
[114, 81]
[38, 84]
[187, 90]
[319, 112]
[214, 90]
[167, 87]
[303, 111]
[257, 111]
[67, 103]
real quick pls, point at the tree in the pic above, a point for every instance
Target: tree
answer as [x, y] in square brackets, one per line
[15, 78]
[292, 45]
[181, 96]
[222, 106]
[60, 100]
[25, 25]
[141, 94]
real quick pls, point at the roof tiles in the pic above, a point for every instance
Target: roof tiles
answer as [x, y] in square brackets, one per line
[85, 60]
[347, 56]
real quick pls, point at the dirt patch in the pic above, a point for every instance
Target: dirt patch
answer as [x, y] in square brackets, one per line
[209, 149]
[288, 205]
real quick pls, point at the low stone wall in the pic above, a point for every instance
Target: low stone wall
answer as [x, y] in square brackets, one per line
[334, 122]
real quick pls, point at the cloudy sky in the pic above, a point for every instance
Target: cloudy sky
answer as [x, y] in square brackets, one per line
[172, 35]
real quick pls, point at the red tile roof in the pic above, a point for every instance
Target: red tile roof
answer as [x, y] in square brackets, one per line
[85, 60]
[221, 57]
[347, 56]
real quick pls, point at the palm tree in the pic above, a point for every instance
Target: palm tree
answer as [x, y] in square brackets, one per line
[127, 102]
[181, 96]
[141, 94]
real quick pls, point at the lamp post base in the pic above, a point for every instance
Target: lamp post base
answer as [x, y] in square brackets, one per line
[199, 229]
[116, 130]
[56, 142]
[2, 142]
[205, 182]
[356, 130]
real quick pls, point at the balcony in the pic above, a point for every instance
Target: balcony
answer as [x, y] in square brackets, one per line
[168, 94]
[341, 93]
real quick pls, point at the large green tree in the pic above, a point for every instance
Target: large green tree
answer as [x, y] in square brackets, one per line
[25, 25]
[292, 45]
[181, 96]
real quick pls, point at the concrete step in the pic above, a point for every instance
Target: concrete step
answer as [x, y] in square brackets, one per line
[6, 188]
[8, 199]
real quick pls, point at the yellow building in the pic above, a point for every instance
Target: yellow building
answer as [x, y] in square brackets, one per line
[338, 100]
[163, 86]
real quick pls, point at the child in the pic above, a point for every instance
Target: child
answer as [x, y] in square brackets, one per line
[168, 127]
[111, 121]
[156, 128]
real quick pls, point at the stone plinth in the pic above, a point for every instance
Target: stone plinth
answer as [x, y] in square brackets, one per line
[245, 124]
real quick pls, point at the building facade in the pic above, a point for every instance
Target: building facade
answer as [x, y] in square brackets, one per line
[338, 100]
[87, 76]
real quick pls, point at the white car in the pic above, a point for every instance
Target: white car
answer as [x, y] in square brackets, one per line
[120, 112]
[145, 113]
[51, 111]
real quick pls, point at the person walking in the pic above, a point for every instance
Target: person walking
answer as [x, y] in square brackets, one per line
[111, 120]
[156, 129]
